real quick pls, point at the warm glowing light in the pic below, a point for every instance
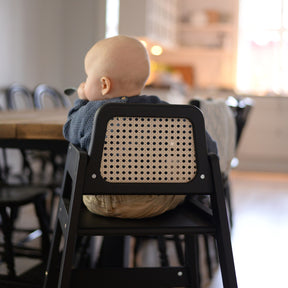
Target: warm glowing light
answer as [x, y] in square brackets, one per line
[156, 50]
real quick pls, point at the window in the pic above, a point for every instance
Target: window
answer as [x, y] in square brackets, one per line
[112, 18]
[263, 47]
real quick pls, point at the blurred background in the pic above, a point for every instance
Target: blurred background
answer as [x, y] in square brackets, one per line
[211, 50]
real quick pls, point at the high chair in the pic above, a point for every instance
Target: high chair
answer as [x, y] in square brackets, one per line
[142, 149]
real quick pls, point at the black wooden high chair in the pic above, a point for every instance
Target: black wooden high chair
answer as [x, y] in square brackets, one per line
[142, 149]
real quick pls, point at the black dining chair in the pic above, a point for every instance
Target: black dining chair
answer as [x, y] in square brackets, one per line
[142, 149]
[12, 198]
[47, 97]
[19, 97]
[17, 193]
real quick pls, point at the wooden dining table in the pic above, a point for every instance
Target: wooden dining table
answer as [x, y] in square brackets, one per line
[33, 129]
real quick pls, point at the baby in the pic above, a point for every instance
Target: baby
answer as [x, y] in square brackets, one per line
[117, 69]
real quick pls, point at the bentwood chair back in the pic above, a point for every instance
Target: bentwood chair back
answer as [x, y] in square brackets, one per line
[19, 97]
[13, 196]
[47, 97]
[142, 149]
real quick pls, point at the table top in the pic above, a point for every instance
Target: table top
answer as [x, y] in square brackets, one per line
[33, 124]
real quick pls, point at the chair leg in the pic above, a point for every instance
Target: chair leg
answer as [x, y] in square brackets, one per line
[227, 194]
[82, 254]
[163, 251]
[226, 262]
[112, 252]
[26, 167]
[7, 227]
[192, 260]
[179, 249]
[52, 271]
[226, 257]
[67, 257]
[223, 236]
[43, 218]
[208, 256]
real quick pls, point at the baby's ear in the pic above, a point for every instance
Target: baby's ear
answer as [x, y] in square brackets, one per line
[105, 85]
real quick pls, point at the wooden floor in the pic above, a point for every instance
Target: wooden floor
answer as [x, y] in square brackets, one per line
[260, 231]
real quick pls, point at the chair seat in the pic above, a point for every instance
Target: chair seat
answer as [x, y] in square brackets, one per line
[18, 195]
[184, 218]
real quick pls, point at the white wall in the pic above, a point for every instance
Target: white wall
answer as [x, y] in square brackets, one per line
[45, 41]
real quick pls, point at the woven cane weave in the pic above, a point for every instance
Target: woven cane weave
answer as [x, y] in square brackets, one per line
[148, 150]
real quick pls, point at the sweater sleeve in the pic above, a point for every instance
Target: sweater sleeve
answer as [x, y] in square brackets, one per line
[78, 127]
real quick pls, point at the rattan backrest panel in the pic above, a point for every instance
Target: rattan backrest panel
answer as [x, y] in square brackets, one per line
[148, 150]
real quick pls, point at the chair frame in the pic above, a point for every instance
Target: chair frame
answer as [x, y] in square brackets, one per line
[189, 219]
[11, 100]
[15, 196]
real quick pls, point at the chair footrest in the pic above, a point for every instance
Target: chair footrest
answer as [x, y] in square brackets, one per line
[182, 219]
[130, 277]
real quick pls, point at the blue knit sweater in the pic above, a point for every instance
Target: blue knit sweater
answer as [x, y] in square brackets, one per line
[78, 127]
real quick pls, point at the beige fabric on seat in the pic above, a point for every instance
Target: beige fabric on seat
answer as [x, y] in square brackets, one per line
[131, 206]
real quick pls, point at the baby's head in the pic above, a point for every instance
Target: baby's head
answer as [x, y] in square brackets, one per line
[117, 66]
